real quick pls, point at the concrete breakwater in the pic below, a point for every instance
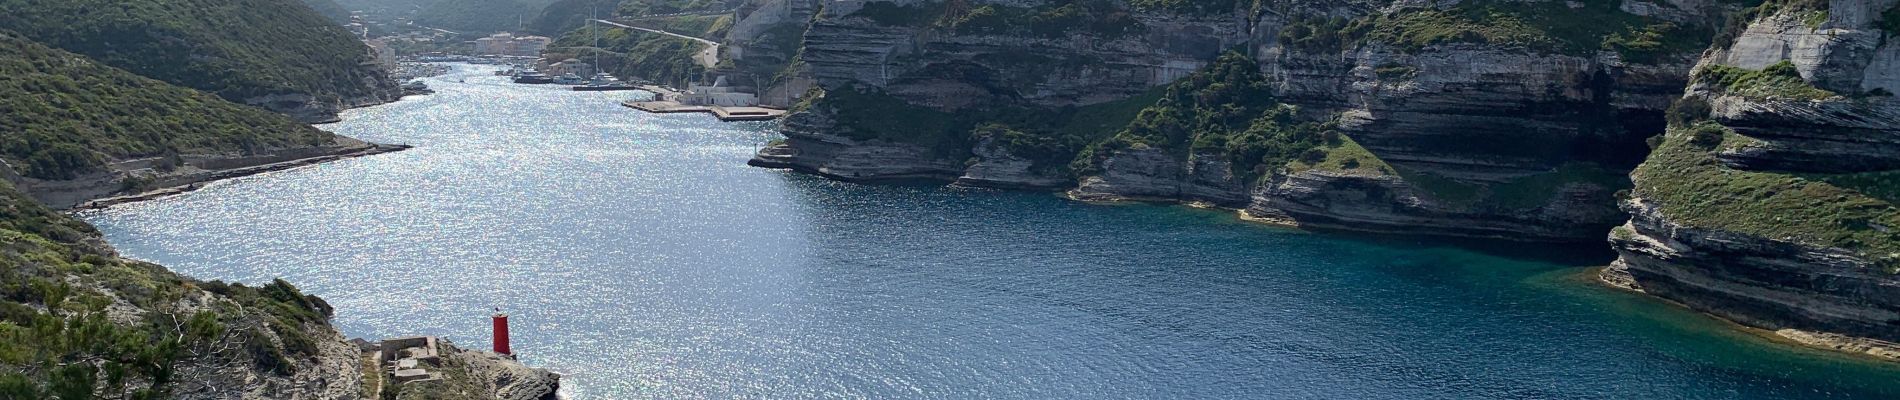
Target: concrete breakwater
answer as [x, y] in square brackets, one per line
[177, 183]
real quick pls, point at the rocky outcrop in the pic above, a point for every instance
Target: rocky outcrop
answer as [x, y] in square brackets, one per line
[943, 69]
[1824, 281]
[1476, 112]
[334, 373]
[1475, 115]
[995, 167]
[1383, 203]
[814, 144]
[310, 109]
[506, 378]
[1760, 282]
[1149, 174]
[143, 179]
[1811, 136]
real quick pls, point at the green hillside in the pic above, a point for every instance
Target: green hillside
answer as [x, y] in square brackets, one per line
[65, 114]
[478, 16]
[567, 15]
[57, 339]
[329, 9]
[238, 49]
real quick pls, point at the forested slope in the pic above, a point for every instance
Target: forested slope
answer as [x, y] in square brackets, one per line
[277, 54]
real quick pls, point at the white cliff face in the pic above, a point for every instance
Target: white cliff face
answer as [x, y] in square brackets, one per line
[1793, 285]
[1811, 136]
[933, 67]
[996, 167]
[814, 145]
[1845, 52]
[1473, 114]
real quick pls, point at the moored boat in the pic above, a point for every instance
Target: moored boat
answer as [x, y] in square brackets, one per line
[532, 77]
[602, 82]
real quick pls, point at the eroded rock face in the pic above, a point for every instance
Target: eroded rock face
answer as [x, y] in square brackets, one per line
[128, 177]
[1387, 204]
[1476, 112]
[1472, 114]
[950, 71]
[1478, 116]
[1811, 136]
[995, 167]
[507, 379]
[313, 110]
[1796, 286]
[1133, 174]
[1475, 115]
[1760, 282]
[813, 144]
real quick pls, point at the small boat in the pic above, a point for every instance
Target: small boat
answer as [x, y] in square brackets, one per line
[533, 78]
[602, 79]
[603, 82]
[606, 88]
[569, 79]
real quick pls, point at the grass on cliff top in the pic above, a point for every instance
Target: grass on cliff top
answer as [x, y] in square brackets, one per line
[56, 341]
[64, 114]
[1850, 212]
[1522, 193]
[1345, 156]
[1778, 81]
[1545, 26]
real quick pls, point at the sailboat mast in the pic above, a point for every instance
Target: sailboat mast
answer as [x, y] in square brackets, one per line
[595, 12]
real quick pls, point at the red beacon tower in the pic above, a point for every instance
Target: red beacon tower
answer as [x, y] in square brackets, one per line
[501, 334]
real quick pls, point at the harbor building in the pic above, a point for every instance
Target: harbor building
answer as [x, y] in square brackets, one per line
[507, 44]
[569, 66]
[719, 94]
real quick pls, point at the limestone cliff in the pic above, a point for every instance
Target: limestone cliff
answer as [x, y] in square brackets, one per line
[1490, 132]
[815, 143]
[1771, 200]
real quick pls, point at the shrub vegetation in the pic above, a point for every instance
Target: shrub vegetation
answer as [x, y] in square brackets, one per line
[64, 115]
[238, 49]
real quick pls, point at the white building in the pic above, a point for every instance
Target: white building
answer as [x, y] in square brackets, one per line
[507, 44]
[385, 54]
[717, 95]
[569, 66]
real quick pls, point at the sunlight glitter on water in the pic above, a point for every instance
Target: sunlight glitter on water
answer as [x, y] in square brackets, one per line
[641, 258]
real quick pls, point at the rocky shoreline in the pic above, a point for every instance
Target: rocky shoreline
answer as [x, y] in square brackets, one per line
[181, 183]
[127, 181]
[1618, 277]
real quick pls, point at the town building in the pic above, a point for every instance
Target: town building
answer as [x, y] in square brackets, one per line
[569, 66]
[507, 44]
[719, 94]
[385, 54]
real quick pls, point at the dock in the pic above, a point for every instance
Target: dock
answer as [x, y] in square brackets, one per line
[723, 113]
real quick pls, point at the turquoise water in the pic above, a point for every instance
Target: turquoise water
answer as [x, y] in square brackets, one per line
[642, 259]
